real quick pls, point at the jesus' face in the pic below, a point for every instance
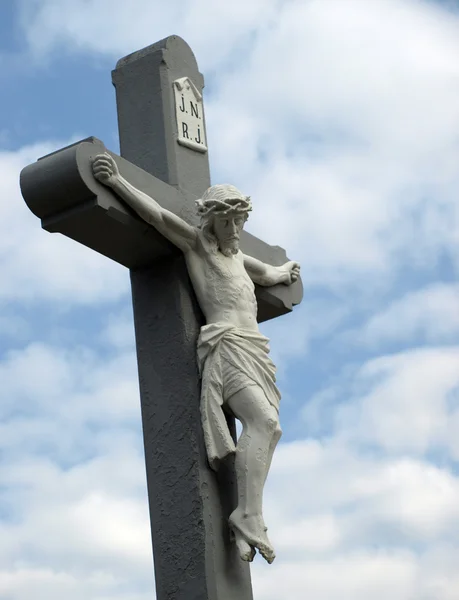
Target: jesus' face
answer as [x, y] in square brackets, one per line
[227, 230]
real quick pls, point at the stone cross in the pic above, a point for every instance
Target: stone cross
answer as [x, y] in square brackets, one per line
[164, 154]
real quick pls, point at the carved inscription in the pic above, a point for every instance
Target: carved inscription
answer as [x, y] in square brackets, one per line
[190, 116]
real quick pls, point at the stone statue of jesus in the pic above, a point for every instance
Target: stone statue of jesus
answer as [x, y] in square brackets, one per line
[237, 374]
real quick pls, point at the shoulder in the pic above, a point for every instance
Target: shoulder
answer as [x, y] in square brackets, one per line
[202, 246]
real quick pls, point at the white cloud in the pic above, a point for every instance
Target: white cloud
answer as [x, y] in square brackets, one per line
[93, 26]
[341, 119]
[380, 523]
[13, 327]
[431, 313]
[380, 509]
[73, 507]
[356, 500]
[377, 575]
[359, 170]
[401, 403]
[119, 330]
[410, 402]
[351, 525]
[50, 391]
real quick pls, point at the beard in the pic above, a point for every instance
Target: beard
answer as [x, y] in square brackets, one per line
[229, 247]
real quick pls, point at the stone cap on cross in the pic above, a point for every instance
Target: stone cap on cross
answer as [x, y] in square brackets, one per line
[61, 190]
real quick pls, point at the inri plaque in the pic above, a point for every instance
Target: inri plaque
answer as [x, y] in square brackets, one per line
[190, 115]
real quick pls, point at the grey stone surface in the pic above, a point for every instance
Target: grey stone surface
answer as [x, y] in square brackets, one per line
[61, 190]
[146, 114]
[192, 553]
[189, 503]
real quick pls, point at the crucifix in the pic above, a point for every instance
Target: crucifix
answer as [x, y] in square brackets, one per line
[200, 284]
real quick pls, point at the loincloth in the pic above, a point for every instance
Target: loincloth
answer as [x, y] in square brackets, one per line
[230, 359]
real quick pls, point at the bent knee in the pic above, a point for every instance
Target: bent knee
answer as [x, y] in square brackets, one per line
[276, 430]
[269, 422]
[252, 408]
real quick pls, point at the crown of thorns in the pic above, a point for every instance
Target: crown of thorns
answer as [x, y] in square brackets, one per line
[223, 199]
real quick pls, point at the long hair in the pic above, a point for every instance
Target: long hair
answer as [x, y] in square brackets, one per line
[221, 199]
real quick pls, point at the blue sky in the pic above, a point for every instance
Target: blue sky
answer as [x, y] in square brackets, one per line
[341, 119]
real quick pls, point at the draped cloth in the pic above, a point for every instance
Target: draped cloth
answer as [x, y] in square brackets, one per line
[230, 359]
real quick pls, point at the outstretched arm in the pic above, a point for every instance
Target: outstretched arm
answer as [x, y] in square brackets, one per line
[267, 275]
[175, 229]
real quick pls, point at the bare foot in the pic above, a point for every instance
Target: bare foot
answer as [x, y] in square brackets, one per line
[246, 551]
[250, 533]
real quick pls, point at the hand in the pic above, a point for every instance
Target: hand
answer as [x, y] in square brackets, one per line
[105, 169]
[290, 272]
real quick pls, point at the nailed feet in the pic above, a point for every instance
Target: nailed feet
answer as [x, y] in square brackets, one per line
[249, 534]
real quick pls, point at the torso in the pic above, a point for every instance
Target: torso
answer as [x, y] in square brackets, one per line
[224, 290]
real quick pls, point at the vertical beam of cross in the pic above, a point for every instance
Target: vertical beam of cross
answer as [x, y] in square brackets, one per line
[189, 507]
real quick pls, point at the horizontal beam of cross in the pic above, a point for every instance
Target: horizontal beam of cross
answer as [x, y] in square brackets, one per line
[61, 190]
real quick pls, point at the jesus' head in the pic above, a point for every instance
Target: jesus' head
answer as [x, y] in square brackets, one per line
[224, 210]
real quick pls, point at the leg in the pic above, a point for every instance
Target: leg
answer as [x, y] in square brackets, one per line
[254, 451]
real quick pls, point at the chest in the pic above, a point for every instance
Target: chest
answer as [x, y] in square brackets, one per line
[229, 269]
[213, 273]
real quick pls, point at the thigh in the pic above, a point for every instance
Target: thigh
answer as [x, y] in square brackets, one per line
[251, 406]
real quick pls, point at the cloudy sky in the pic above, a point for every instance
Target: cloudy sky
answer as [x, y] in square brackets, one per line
[341, 119]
